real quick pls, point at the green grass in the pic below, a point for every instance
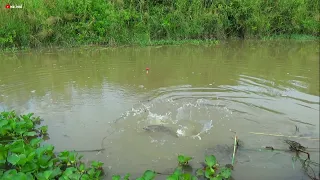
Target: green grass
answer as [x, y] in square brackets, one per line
[125, 22]
[298, 37]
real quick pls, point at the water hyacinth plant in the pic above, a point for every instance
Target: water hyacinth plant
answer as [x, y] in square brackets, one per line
[23, 155]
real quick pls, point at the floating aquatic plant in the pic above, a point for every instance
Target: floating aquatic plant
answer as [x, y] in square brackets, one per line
[24, 156]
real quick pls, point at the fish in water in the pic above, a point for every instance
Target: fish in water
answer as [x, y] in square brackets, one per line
[161, 128]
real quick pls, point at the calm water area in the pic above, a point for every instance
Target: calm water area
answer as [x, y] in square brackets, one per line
[102, 98]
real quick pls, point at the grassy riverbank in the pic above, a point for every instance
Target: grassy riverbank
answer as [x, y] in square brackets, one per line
[119, 22]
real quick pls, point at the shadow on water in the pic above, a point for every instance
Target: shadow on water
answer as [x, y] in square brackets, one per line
[188, 102]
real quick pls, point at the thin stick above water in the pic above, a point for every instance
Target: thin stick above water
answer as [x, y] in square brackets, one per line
[234, 149]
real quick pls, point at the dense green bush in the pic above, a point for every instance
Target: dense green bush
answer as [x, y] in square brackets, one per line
[76, 22]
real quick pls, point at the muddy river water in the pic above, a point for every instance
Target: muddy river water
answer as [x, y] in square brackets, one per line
[95, 97]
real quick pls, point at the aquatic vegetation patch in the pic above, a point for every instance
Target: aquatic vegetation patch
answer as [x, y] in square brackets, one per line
[23, 155]
[210, 170]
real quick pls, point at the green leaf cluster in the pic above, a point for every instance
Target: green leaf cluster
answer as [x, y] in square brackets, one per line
[211, 171]
[24, 156]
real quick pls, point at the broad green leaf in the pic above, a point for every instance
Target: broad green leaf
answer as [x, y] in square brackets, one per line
[187, 176]
[126, 177]
[63, 177]
[21, 124]
[11, 171]
[31, 133]
[50, 163]
[177, 171]
[13, 124]
[69, 171]
[23, 159]
[209, 172]
[173, 177]
[141, 178]
[194, 178]
[3, 154]
[200, 172]
[30, 176]
[29, 167]
[216, 178]
[55, 172]
[81, 167]
[5, 129]
[98, 173]
[211, 160]
[116, 177]
[30, 115]
[184, 159]
[13, 159]
[91, 172]
[44, 129]
[8, 126]
[29, 124]
[96, 164]
[40, 175]
[225, 172]
[48, 147]
[3, 122]
[75, 176]
[149, 175]
[8, 175]
[19, 131]
[20, 176]
[39, 152]
[181, 159]
[80, 157]
[85, 177]
[45, 161]
[72, 157]
[31, 156]
[35, 142]
[47, 174]
[17, 146]
[64, 156]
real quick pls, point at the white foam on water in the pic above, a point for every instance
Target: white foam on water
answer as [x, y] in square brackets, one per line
[156, 119]
[182, 130]
[206, 127]
[191, 119]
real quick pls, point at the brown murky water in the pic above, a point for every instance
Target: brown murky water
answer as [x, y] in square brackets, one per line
[88, 94]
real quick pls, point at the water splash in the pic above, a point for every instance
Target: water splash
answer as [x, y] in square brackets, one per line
[188, 116]
[206, 127]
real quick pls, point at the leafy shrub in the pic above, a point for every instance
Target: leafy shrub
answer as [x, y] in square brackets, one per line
[74, 22]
